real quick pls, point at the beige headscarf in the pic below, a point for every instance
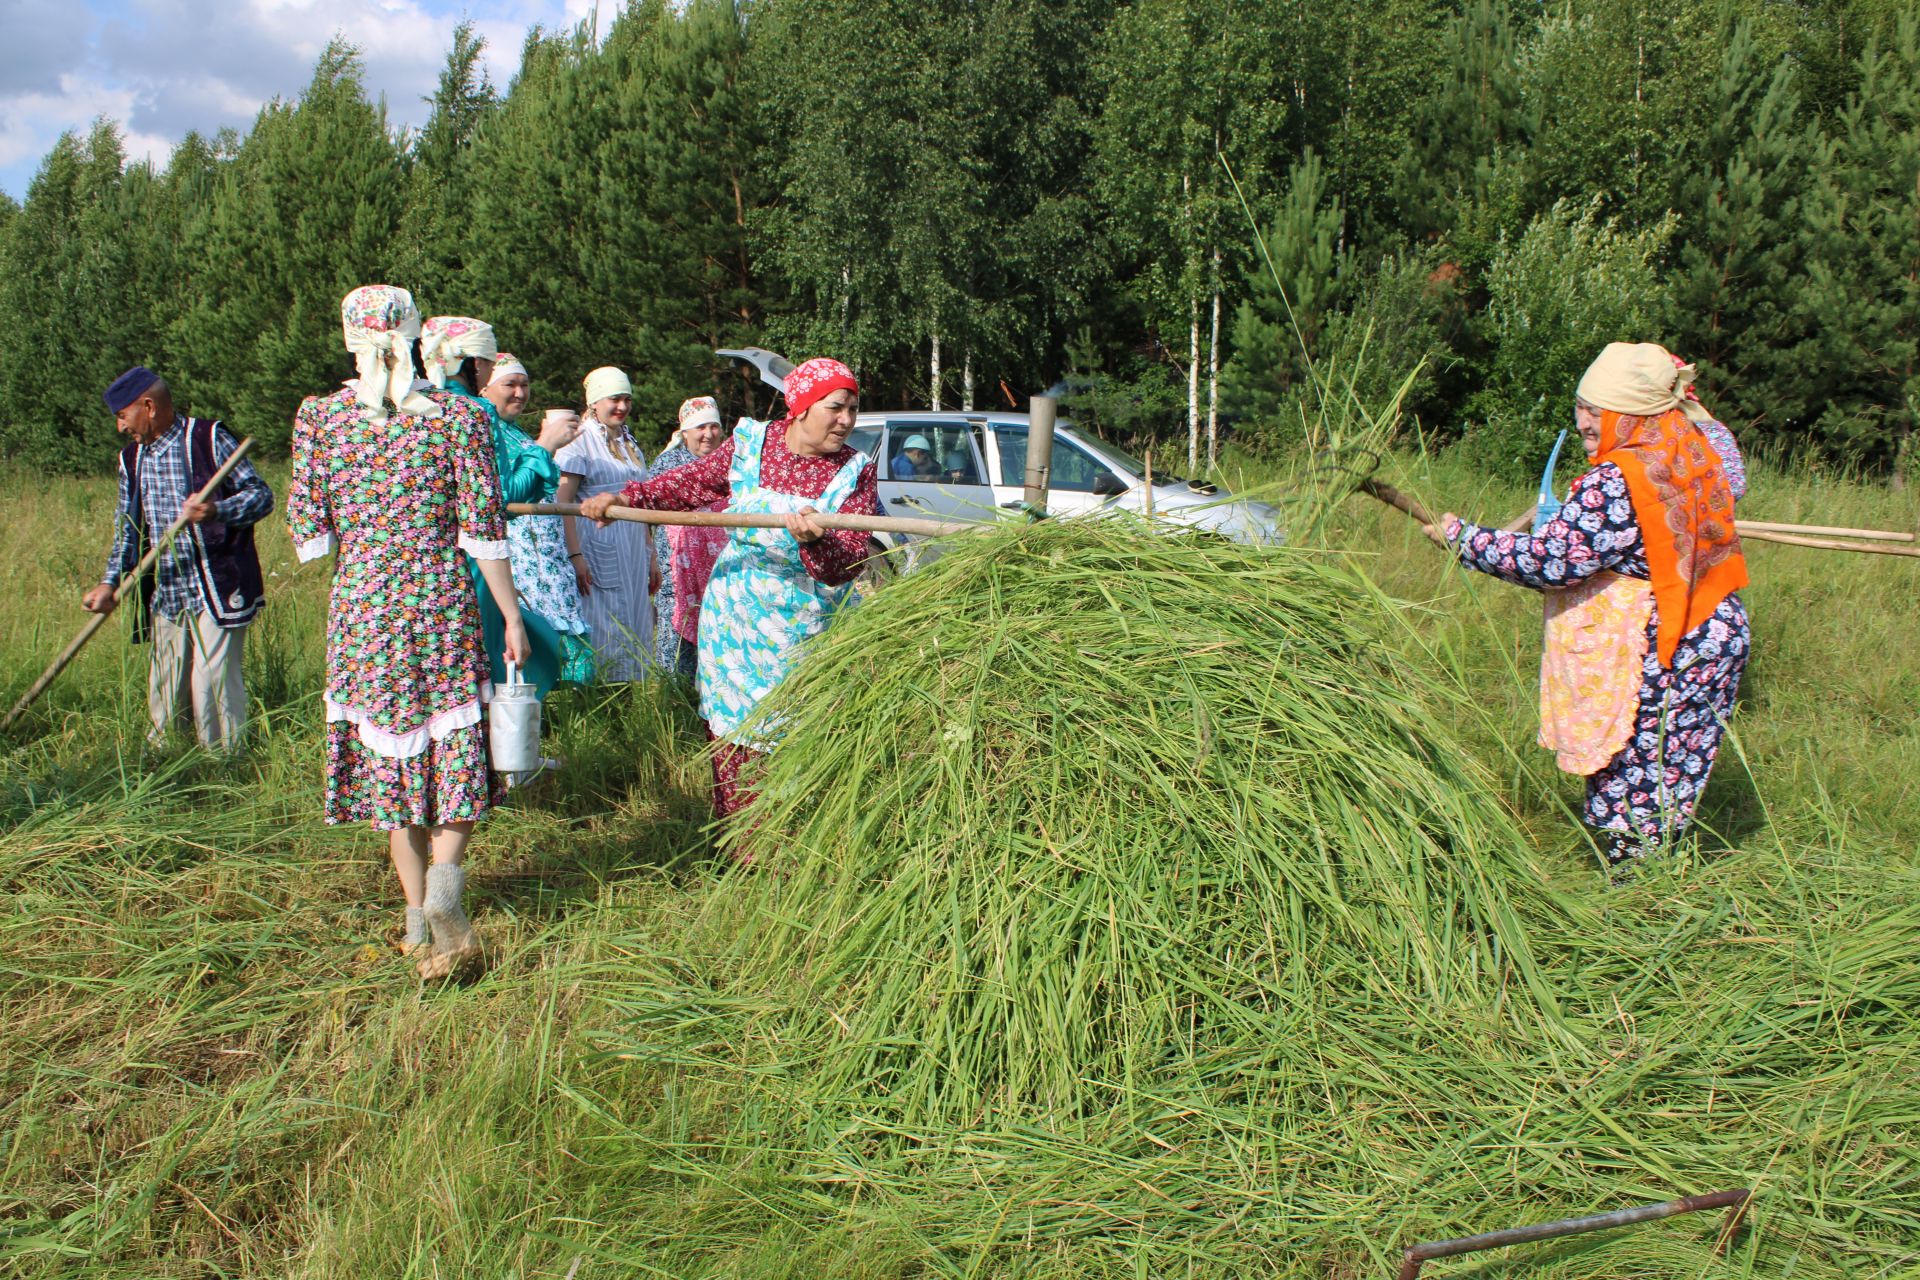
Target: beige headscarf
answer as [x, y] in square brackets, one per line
[447, 340]
[1642, 379]
[606, 382]
[602, 384]
[379, 323]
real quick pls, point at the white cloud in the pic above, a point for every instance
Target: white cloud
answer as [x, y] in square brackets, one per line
[163, 67]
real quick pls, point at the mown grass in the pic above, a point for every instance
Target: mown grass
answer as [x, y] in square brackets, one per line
[212, 1069]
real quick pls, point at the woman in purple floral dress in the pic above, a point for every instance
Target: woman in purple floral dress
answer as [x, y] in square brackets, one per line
[1646, 634]
[398, 480]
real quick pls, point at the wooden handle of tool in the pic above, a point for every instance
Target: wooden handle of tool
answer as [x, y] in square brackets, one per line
[1866, 541]
[746, 520]
[1403, 502]
[127, 583]
[1824, 544]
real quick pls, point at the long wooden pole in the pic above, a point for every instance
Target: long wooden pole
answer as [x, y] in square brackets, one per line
[744, 520]
[1865, 541]
[1823, 531]
[127, 583]
[1825, 544]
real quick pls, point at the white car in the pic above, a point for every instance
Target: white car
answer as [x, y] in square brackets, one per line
[971, 465]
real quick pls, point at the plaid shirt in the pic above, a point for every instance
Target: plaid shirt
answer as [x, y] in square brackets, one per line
[164, 489]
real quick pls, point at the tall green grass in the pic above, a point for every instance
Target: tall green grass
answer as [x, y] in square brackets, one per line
[211, 1067]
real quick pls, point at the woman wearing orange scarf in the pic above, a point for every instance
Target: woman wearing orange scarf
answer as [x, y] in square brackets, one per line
[1646, 636]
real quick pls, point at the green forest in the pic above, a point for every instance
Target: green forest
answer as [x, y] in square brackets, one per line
[971, 201]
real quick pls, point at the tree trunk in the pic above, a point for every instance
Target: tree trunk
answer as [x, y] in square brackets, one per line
[966, 383]
[1213, 373]
[1193, 385]
[933, 374]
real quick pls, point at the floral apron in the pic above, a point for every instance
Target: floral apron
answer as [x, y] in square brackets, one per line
[761, 603]
[1596, 640]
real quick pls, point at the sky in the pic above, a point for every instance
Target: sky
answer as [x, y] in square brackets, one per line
[163, 67]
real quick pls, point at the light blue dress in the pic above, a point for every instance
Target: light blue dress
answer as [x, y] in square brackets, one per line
[762, 605]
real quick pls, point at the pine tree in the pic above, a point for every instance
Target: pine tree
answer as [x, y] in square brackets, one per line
[71, 304]
[1854, 377]
[1274, 334]
[1462, 131]
[436, 230]
[308, 209]
[530, 225]
[665, 241]
[1738, 194]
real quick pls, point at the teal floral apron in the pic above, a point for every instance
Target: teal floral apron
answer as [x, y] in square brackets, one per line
[761, 604]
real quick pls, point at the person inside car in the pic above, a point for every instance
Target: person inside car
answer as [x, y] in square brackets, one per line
[915, 461]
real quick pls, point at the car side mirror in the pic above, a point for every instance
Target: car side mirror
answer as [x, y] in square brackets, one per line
[1108, 485]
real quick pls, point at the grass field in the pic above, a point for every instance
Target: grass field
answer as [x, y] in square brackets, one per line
[212, 1068]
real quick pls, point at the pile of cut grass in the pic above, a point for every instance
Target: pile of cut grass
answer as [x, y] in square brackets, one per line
[1070, 806]
[1133, 903]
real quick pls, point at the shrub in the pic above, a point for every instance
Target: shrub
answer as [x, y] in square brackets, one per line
[1570, 284]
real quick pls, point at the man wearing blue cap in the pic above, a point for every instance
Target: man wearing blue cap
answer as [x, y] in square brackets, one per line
[196, 601]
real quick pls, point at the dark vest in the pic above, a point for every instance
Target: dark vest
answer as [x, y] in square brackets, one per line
[225, 566]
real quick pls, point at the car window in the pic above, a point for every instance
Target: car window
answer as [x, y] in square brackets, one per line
[1074, 469]
[921, 452]
[866, 440]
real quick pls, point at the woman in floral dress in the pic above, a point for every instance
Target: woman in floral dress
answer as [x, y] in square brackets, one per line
[1646, 634]
[541, 571]
[684, 558]
[772, 589]
[398, 481]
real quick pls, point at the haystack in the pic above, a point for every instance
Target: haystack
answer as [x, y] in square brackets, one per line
[1078, 809]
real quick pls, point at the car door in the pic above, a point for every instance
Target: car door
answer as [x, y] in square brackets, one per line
[1079, 481]
[950, 484]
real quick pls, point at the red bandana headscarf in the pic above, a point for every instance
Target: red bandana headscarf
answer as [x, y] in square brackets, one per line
[815, 379]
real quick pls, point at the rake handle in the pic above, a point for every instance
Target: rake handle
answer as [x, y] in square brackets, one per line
[1872, 542]
[749, 520]
[127, 583]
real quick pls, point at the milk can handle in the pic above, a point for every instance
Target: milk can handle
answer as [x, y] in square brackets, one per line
[513, 673]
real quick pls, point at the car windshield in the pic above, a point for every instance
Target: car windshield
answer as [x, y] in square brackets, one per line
[1127, 460]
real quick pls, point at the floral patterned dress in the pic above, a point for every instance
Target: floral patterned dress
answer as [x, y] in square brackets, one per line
[399, 502]
[666, 638]
[1648, 791]
[781, 590]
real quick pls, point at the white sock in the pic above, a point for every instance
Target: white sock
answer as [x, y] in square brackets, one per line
[446, 885]
[416, 934]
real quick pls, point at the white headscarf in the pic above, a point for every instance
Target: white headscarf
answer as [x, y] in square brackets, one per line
[698, 412]
[379, 323]
[447, 340]
[505, 365]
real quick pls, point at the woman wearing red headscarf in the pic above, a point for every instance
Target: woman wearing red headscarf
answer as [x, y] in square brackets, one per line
[1646, 636]
[771, 589]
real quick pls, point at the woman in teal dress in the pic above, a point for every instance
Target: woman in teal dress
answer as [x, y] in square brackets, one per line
[541, 569]
[458, 353]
